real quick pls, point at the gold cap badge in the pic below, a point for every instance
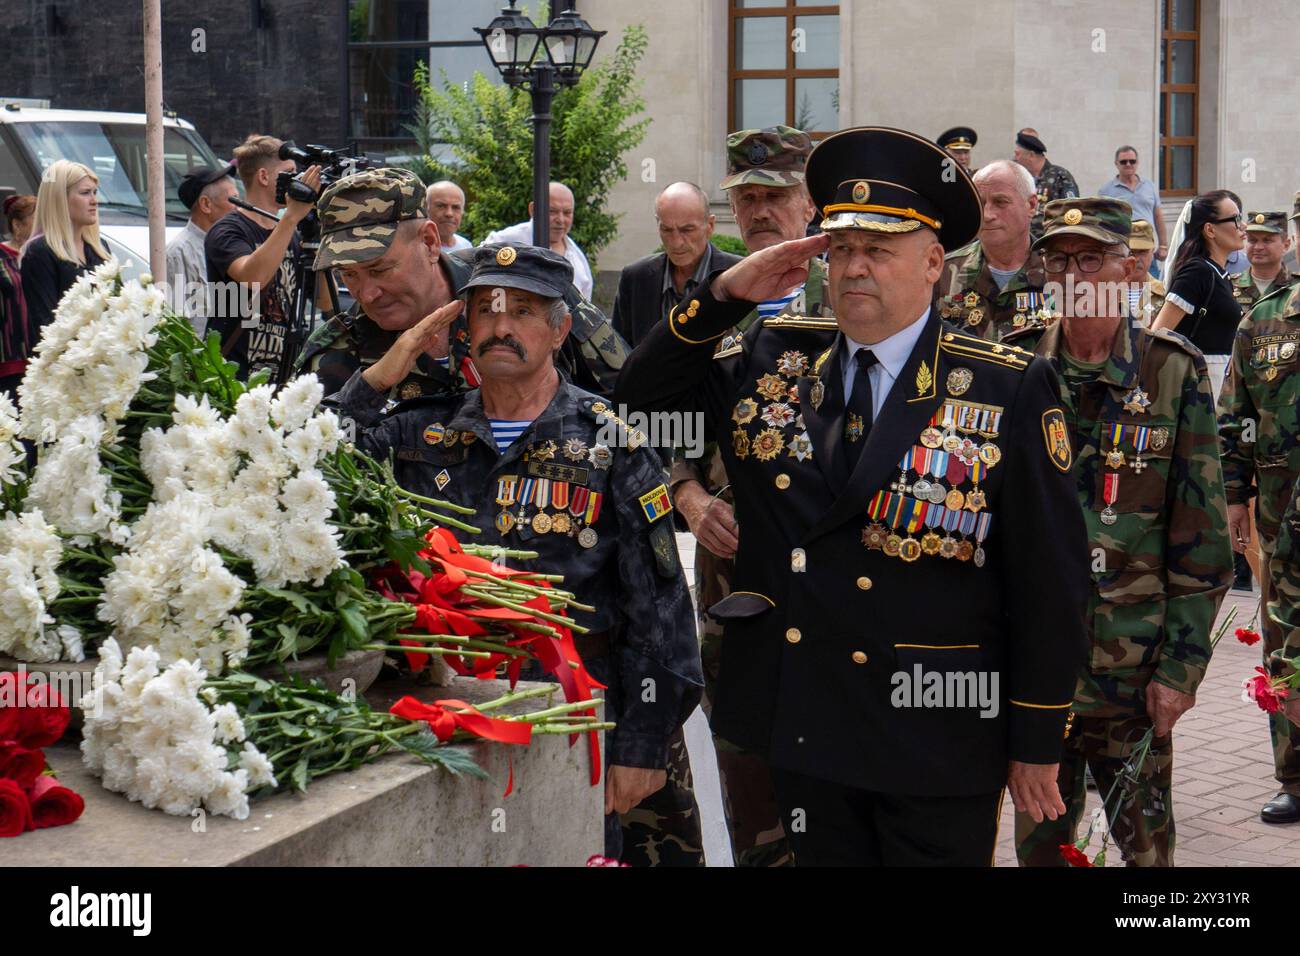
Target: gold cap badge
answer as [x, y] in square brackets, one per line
[1259, 218]
[1072, 217]
[506, 256]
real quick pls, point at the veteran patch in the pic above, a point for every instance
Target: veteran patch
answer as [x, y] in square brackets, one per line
[1057, 438]
[656, 503]
[433, 435]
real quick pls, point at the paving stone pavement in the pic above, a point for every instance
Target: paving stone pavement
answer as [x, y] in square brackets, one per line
[1223, 768]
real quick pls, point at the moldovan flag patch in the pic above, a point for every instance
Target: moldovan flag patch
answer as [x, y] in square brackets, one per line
[656, 503]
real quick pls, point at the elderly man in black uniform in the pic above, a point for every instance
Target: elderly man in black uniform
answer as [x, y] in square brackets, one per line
[548, 468]
[907, 616]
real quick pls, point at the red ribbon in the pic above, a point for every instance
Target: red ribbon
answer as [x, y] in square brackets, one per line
[441, 608]
[445, 717]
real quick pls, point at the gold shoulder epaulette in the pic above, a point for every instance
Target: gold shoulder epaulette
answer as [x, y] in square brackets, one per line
[787, 320]
[969, 346]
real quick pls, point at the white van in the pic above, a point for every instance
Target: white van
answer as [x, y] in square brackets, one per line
[112, 144]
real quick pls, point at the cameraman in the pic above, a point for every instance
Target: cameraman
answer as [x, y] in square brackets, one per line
[243, 247]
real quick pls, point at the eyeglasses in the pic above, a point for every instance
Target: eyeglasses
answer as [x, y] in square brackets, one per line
[1127, 162]
[1239, 219]
[1088, 261]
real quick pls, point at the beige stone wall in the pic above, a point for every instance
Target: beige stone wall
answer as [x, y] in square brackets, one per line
[1083, 72]
[1260, 101]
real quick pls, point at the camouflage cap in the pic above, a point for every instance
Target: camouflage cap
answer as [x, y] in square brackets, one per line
[359, 214]
[1097, 217]
[1295, 206]
[1266, 222]
[1142, 236]
[772, 156]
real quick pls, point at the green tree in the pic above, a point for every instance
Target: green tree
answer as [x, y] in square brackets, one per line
[488, 127]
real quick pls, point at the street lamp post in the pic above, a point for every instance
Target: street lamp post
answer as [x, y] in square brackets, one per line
[513, 42]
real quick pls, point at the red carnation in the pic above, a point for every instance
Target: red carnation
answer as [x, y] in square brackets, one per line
[597, 860]
[1247, 636]
[1261, 689]
[19, 764]
[53, 805]
[15, 811]
[1074, 856]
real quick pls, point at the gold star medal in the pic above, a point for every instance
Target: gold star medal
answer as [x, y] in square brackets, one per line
[1136, 402]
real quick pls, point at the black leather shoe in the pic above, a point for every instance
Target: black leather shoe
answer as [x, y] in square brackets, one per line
[1284, 808]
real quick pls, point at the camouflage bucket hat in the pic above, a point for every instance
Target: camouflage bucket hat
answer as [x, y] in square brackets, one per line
[1266, 222]
[772, 156]
[1097, 217]
[1142, 237]
[360, 213]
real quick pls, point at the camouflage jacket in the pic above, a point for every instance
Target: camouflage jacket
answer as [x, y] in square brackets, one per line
[708, 469]
[1247, 293]
[1161, 562]
[591, 356]
[971, 300]
[1259, 410]
[1284, 570]
[618, 555]
[1052, 182]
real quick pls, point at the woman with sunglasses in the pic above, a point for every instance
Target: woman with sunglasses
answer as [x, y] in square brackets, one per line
[1199, 303]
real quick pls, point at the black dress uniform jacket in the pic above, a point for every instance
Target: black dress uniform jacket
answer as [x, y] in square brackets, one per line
[809, 679]
[632, 575]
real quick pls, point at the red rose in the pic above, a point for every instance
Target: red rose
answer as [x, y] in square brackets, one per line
[11, 695]
[15, 811]
[1247, 636]
[1074, 856]
[19, 764]
[43, 718]
[53, 805]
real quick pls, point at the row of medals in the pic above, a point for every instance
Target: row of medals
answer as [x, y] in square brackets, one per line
[1024, 310]
[561, 522]
[877, 536]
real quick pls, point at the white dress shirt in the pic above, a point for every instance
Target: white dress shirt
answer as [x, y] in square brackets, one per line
[521, 234]
[891, 355]
[186, 265]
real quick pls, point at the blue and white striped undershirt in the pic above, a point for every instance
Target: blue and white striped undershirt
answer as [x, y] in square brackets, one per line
[777, 306]
[506, 432]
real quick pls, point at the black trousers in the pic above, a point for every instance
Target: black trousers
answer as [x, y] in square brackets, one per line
[830, 824]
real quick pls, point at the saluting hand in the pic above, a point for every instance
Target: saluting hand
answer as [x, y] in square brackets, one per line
[427, 335]
[769, 272]
[1034, 791]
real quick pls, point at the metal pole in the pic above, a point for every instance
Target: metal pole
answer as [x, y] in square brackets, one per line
[153, 139]
[543, 92]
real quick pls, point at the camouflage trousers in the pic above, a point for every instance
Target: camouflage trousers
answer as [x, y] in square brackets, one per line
[1143, 828]
[664, 828]
[748, 795]
[1285, 735]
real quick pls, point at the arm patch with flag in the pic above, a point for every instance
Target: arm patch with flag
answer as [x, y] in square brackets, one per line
[656, 503]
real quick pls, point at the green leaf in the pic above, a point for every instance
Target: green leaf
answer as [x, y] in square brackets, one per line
[288, 729]
[288, 643]
[298, 776]
[297, 599]
[455, 760]
[354, 623]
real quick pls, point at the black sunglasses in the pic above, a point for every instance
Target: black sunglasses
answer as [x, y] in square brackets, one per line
[1127, 162]
[1238, 219]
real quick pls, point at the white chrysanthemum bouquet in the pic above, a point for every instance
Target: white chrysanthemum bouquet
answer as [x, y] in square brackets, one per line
[202, 526]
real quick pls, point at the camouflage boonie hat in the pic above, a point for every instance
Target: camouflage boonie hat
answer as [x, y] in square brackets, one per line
[772, 156]
[1142, 236]
[1266, 222]
[1097, 217]
[359, 214]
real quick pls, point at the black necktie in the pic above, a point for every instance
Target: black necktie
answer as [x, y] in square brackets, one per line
[858, 409]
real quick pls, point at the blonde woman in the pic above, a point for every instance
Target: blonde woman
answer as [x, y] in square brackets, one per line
[66, 241]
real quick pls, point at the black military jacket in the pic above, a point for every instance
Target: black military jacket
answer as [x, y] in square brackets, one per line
[443, 448]
[824, 677]
[591, 356]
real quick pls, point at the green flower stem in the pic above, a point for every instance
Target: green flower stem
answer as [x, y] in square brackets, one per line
[568, 708]
[517, 695]
[444, 520]
[87, 556]
[544, 615]
[436, 651]
[569, 729]
[446, 505]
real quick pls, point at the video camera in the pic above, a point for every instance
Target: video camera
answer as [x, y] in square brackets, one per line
[334, 165]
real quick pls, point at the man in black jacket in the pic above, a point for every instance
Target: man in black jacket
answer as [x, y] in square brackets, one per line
[650, 287]
[907, 615]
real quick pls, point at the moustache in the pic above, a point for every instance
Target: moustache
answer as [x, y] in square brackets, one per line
[508, 342]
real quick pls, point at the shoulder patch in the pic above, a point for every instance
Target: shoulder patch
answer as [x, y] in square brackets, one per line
[655, 503]
[996, 353]
[1157, 287]
[1057, 439]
